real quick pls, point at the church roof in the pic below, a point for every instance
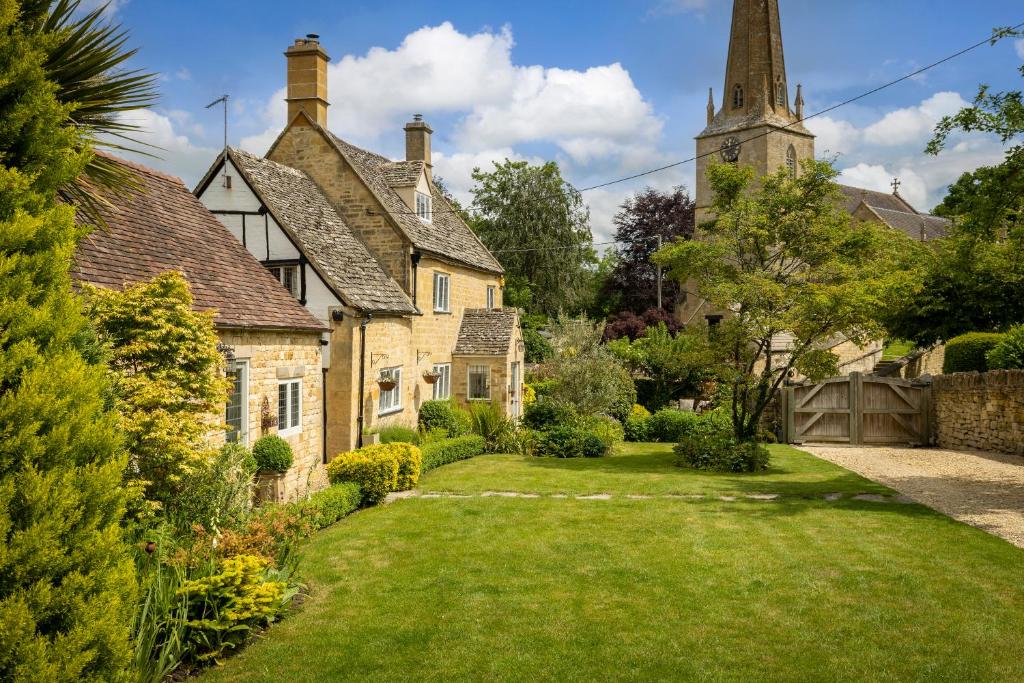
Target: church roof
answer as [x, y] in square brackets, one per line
[896, 212]
[446, 235]
[486, 332]
[303, 211]
[162, 226]
[880, 200]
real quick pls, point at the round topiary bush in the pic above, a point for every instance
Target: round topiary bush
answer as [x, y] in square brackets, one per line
[272, 454]
[444, 416]
[1009, 354]
[967, 353]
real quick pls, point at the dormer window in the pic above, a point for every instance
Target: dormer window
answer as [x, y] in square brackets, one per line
[424, 206]
[737, 97]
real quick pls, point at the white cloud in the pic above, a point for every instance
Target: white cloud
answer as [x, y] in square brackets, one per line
[1020, 48]
[914, 124]
[834, 136]
[878, 177]
[112, 6]
[175, 153]
[678, 7]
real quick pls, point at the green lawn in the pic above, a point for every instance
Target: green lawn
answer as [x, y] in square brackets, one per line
[801, 589]
[894, 350]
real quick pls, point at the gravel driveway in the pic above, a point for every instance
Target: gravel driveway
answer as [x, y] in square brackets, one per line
[985, 490]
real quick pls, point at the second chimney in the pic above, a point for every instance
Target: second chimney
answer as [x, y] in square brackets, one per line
[417, 141]
[307, 79]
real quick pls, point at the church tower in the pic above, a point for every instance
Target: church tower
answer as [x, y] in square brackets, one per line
[757, 125]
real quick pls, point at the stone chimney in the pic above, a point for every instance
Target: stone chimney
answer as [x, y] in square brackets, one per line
[417, 141]
[307, 79]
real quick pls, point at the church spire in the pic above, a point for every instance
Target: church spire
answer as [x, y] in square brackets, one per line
[755, 78]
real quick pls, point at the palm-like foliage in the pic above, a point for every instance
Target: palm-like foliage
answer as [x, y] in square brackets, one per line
[86, 62]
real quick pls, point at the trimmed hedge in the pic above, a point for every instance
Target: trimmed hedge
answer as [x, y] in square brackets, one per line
[672, 426]
[326, 507]
[447, 451]
[376, 474]
[272, 454]
[444, 416]
[967, 353]
[568, 441]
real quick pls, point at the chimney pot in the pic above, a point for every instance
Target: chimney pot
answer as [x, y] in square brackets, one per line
[313, 37]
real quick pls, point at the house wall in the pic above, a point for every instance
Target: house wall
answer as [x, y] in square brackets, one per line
[272, 357]
[981, 411]
[304, 148]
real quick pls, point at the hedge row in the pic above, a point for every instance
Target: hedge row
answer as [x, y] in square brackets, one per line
[447, 451]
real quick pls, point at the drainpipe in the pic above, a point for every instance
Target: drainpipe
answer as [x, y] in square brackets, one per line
[362, 378]
[415, 258]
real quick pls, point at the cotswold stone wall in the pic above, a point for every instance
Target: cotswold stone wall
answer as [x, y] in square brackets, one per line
[980, 411]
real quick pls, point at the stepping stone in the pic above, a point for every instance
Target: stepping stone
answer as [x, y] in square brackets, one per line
[596, 496]
[685, 496]
[529, 495]
[399, 495]
[763, 496]
[500, 494]
[905, 500]
[639, 497]
[432, 495]
[833, 497]
[872, 498]
[728, 499]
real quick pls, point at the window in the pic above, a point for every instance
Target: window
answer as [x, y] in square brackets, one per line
[443, 385]
[479, 383]
[780, 94]
[442, 293]
[236, 413]
[490, 298]
[424, 207]
[287, 276]
[791, 161]
[289, 407]
[391, 400]
[737, 97]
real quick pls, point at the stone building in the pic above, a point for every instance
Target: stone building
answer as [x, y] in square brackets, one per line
[371, 247]
[273, 345]
[759, 125]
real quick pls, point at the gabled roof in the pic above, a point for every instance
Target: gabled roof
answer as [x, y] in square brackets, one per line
[446, 235]
[303, 211]
[486, 332]
[161, 227]
[896, 212]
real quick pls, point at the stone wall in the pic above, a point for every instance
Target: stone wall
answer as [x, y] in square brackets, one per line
[276, 356]
[980, 411]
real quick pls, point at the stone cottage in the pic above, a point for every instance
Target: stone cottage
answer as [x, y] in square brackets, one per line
[272, 344]
[371, 247]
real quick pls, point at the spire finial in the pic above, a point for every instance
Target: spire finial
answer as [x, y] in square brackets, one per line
[799, 102]
[711, 105]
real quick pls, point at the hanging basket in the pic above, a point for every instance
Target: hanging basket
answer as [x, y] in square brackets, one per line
[431, 377]
[386, 384]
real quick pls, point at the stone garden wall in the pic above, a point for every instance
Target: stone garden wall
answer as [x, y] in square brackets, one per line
[980, 411]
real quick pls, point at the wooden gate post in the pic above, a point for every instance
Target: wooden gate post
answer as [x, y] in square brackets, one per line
[856, 408]
[790, 422]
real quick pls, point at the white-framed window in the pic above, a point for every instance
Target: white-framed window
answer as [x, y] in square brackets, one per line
[391, 400]
[424, 206]
[236, 412]
[442, 292]
[289, 406]
[490, 297]
[287, 276]
[479, 383]
[443, 385]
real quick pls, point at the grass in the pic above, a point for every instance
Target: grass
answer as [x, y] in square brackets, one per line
[565, 589]
[894, 350]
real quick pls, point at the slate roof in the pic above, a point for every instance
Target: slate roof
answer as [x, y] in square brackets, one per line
[446, 235]
[486, 332]
[897, 213]
[328, 243]
[161, 227]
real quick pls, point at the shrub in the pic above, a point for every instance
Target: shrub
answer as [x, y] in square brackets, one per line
[447, 451]
[547, 413]
[637, 427]
[571, 441]
[444, 415]
[219, 491]
[544, 388]
[715, 448]
[376, 475]
[967, 352]
[594, 446]
[225, 607]
[670, 426]
[608, 429]
[529, 396]
[1009, 354]
[330, 505]
[398, 434]
[624, 397]
[272, 454]
[489, 422]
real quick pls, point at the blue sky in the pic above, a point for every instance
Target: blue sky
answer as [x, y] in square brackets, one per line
[605, 87]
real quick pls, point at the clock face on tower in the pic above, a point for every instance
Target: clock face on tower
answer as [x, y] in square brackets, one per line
[731, 150]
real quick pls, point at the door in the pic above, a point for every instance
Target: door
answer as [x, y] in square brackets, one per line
[516, 391]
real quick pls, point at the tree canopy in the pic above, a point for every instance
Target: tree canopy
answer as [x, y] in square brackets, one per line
[780, 257]
[539, 229]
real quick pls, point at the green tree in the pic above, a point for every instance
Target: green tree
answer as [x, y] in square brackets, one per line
[168, 378]
[588, 377]
[674, 365]
[539, 228]
[66, 580]
[975, 277]
[782, 257]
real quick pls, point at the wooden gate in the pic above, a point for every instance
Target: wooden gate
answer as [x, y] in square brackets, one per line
[858, 410]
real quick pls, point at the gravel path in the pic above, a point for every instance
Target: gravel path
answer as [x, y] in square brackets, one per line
[985, 490]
